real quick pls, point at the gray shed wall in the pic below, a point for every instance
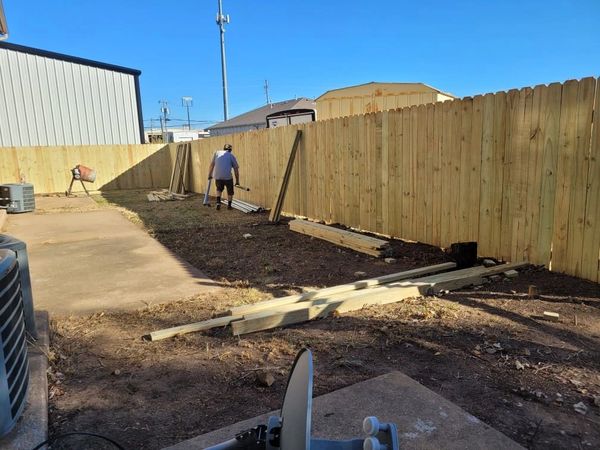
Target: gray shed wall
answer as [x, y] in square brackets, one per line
[45, 102]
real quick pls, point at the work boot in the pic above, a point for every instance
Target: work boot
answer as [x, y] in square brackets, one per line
[229, 205]
[218, 206]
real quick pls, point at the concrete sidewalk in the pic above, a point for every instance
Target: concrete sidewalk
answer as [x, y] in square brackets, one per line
[84, 262]
[424, 419]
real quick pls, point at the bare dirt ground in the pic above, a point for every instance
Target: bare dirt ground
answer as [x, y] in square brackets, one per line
[487, 349]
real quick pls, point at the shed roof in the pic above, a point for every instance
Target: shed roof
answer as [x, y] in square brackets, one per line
[391, 88]
[68, 58]
[258, 116]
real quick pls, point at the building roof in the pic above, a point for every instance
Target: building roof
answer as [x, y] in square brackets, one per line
[68, 58]
[258, 116]
[375, 85]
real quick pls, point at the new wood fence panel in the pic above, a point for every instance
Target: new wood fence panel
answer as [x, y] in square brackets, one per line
[565, 174]
[355, 152]
[464, 169]
[475, 168]
[117, 166]
[377, 176]
[521, 138]
[406, 174]
[534, 168]
[421, 180]
[384, 213]
[550, 135]
[590, 260]
[488, 176]
[428, 175]
[581, 161]
[518, 172]
[436, 176]
[412, 173]
[447, 176]
[395, 195]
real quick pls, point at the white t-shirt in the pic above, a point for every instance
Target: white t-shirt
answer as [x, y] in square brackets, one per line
[224, 162]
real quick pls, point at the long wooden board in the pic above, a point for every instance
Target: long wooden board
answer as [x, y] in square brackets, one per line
[278, 204]
[390, 293]
[343, 288]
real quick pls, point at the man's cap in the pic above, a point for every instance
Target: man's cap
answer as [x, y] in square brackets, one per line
[227, 147]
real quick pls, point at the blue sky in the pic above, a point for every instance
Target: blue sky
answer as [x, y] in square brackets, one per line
[307, 47]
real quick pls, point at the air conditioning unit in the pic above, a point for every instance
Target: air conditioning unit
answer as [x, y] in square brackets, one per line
[14, 365]
[17, 197]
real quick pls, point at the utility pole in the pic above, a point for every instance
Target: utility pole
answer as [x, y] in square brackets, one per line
[187, 102]
[221, 21]
[267, 92]
[164, 110]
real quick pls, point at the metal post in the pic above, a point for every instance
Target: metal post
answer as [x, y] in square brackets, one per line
[163, 120]
[221, 21]
[187, 102]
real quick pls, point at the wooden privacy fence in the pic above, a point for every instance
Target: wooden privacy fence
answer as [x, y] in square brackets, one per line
[516, 171]
[117, 166]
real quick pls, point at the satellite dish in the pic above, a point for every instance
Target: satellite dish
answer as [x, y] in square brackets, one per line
[296, 411]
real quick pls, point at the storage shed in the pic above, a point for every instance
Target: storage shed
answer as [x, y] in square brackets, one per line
[50, 99]
[373, 97]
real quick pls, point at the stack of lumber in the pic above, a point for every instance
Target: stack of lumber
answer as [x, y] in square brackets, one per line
[180, 168]
[278, 203]
[164, 194]
[176, 189]
[340, 299]
[364, 244]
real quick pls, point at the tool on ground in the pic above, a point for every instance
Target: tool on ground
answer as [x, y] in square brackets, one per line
[207, 192]
[292, 430]
[82, 174]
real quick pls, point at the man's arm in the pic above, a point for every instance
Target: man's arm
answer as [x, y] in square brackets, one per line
[236, 171]
[210, 169]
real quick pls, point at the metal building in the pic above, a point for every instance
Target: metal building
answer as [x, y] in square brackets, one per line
[374, 97]
[49, 99]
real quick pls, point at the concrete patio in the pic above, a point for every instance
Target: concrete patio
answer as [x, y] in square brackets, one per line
[95, 259]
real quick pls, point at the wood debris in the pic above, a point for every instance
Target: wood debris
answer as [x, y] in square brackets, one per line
[165, 195]
[340, 299]
[554, 317]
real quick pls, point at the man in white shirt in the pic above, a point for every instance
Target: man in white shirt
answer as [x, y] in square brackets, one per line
[220, 169]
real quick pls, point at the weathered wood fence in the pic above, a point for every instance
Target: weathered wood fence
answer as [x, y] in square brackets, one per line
[117, 166]
[517, 171]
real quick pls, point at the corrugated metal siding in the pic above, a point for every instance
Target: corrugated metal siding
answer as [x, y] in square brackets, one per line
[44, 101]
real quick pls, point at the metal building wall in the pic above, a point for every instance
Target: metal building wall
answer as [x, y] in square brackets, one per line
[46, 101]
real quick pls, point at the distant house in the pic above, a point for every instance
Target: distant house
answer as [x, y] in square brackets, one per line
[174, 135]
[373, 97]
[50, 99]
[257, 118]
